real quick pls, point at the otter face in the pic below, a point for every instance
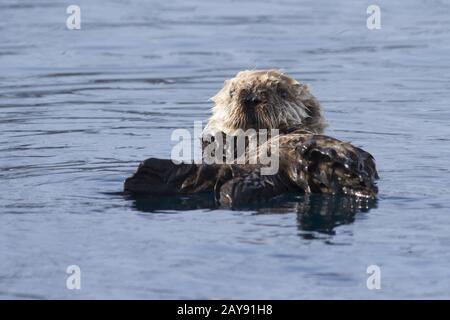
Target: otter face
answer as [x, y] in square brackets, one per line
[264, 99]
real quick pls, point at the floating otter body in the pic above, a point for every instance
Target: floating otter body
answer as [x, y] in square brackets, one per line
[309, 162]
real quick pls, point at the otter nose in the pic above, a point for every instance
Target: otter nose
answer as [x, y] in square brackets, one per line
[251, 100]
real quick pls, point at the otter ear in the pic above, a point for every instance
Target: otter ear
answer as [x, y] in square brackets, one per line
[242, 73]
[277, 76]
[300, 88]
[288, 80]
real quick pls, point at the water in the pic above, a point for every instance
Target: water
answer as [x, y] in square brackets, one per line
[80, 109]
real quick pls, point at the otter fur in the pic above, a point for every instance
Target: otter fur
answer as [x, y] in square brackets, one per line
[309, 162]
[264, 99]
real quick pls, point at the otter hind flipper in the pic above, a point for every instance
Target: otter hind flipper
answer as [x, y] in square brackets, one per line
[333, 166]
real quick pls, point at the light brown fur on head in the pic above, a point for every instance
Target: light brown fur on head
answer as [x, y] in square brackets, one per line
[264, 99]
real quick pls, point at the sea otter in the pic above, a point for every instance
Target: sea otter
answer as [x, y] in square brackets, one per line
[309, 162]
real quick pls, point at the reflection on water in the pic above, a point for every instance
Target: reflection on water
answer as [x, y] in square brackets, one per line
[324, 213]
[315, 213]
[172, 203]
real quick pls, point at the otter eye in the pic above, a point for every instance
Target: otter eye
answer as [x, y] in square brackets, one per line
[232, 93]
[283, 93]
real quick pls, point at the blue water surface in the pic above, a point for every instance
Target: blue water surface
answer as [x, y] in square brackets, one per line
[79, 109]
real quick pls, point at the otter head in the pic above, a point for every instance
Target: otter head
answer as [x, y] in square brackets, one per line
[264, 99]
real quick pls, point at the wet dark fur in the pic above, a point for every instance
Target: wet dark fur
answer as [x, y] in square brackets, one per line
[309, 163]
